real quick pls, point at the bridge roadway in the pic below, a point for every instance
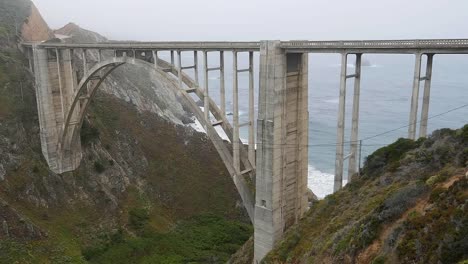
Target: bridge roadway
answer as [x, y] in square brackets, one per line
[433, 46]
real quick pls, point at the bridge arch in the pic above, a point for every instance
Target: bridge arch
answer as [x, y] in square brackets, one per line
[95, 76]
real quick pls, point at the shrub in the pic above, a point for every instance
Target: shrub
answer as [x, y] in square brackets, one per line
[289, 244]
[379, 260]
[435, 194]
[390, 154]
[89, 134]
[463, 134]
[138, 218]
[400, 201]
[99, 167]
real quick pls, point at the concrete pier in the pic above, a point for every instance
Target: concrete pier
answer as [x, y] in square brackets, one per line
[282, 133]
[413, 118]
[341, 126]
[426, 96]
[352, 166]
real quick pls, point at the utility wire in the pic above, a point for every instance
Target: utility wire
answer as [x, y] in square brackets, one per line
[377, 135]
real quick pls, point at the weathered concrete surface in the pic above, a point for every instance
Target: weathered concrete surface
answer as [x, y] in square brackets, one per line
[281, 180]
[54, 92]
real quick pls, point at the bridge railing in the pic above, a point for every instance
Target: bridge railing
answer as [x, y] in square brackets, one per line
[173, 45]
[388, 44]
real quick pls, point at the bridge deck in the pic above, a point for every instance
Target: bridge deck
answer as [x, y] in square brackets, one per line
[439, 46]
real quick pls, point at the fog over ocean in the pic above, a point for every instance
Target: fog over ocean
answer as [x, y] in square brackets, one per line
[386, 87]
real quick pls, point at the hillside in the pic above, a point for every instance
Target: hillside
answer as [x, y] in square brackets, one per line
[146, 190]
[409, 206]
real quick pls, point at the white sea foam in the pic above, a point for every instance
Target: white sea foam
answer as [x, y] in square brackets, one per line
[320, 183]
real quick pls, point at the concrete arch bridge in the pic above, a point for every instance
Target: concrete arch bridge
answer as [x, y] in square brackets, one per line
[278, 166]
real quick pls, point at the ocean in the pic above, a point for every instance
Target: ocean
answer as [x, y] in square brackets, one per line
[386, 88]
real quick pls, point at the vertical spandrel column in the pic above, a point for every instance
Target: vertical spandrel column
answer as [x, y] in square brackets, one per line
[251, 110]
[338, 183]
[206, 94]
[195, 68]
[235, 115]
[426, 96]
[413, 117]
[222, 83]
[352, 166]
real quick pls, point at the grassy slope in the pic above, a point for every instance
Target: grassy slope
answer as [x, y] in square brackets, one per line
[409, 207]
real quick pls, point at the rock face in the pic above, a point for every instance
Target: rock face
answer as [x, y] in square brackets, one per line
[15, 226]
[35, 28]
[148, 90]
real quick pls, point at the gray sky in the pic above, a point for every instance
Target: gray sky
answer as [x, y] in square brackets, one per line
[262, 19]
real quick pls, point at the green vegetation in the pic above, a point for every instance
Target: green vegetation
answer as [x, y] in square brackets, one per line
[408, 207]
[203, 239]
[389, 156]
[138, 218]
[88, 133]
[444, 228]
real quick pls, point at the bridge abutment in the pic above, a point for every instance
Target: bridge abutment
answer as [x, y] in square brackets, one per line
[55, 82]
[282, 153]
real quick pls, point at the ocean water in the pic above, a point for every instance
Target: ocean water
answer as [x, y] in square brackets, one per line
[386, 88]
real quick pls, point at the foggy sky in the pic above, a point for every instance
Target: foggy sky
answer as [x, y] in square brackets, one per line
[261, 19]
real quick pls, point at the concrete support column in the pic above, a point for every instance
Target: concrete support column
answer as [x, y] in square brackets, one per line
[222, 83]
[179, 68]
[46, 111]
[172, 58]
[85, 62]
[340, 126]
[59, 76]
[85, 68]
[70, 70]
[30, 60]
[282, 139]
[155, 58]
[413, 118]
[195, 68]
[426, 96]
[352, 167]
[54, 91]
[206, 95]
[235, 115]
[251, 111]
[69, 83]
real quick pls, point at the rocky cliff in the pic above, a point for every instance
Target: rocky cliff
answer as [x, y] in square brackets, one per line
[34, 27]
